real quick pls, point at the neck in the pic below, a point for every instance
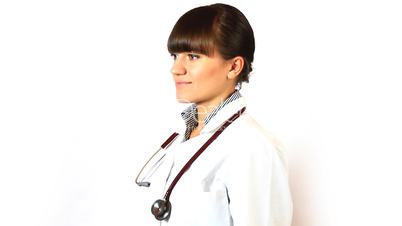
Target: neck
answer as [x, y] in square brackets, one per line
[204, 108]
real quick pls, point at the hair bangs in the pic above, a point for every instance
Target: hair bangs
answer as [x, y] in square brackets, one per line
[193, 43]
[194, 32]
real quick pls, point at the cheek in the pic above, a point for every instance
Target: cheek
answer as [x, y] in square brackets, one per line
[208, 74]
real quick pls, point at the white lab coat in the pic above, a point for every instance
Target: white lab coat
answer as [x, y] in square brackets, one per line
[240, 179]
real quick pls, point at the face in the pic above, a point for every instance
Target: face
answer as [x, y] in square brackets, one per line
[201, 79]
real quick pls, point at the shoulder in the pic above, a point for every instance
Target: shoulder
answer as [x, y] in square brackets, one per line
[246, 137]
[248, 130]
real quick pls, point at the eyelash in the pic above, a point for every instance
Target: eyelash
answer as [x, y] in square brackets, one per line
[191, 56]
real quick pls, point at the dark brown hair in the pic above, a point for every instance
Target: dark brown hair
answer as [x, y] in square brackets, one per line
[218, 26]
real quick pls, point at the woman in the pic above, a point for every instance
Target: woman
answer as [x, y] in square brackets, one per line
[223, 168]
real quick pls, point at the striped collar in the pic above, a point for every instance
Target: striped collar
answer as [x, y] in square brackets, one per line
[189, 115]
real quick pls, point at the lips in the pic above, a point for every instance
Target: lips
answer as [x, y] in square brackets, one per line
[182, 83]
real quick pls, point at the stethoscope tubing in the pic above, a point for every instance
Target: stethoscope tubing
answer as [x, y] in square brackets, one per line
[161, 208]
[200, 151]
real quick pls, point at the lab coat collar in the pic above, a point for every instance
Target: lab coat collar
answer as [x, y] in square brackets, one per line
[223, 114]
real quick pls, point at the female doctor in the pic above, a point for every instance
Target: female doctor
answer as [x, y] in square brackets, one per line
[221, 168]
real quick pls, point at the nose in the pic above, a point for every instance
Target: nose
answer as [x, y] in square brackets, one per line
[178, 67]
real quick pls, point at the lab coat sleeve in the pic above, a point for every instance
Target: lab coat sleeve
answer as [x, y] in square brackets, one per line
[257, 186]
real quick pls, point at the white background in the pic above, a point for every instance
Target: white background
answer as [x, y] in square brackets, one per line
[86, 96]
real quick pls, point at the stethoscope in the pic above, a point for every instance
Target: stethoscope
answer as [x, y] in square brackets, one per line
[161, 208]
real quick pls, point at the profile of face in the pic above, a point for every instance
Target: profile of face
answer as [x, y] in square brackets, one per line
[212, 49]
[202, 79]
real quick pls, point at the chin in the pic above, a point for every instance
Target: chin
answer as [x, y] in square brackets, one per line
[183, 99]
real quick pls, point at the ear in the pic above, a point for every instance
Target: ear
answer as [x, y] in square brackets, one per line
[237, 65]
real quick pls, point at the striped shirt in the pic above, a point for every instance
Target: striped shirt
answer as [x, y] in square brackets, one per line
[190, 115]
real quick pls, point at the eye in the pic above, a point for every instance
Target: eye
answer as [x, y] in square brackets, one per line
[193, 56]
[173, 55]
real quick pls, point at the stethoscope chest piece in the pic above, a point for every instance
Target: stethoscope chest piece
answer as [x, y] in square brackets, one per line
[161, 209]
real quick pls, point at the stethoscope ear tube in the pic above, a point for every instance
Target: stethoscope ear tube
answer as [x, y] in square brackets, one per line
[163, 146]
[169, 140]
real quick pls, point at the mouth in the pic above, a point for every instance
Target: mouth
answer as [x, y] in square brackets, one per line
[182, 83]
